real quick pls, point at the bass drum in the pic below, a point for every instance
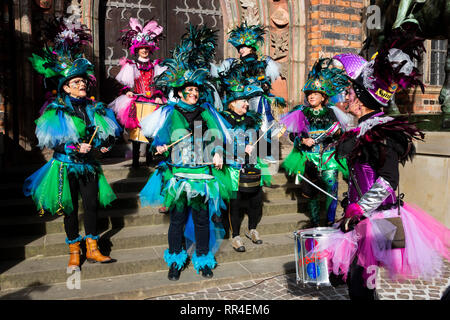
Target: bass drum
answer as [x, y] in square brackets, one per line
[143, 109]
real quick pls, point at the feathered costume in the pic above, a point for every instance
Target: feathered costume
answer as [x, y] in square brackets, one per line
[247, 190]
[323, 126]
[65, 36]
[374, 150]
[253, 70]
[138, 75]
[187, 183]
[65, 123]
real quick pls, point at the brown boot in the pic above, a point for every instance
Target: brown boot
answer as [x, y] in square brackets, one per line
[93, 254]
[74, 260]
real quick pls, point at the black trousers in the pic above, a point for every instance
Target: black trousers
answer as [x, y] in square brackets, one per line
[357, 286]
[178, 221]
[136, 146]
[250, 202]
[89, 194]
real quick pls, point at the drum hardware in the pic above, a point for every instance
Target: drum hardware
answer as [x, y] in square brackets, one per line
[311, 265]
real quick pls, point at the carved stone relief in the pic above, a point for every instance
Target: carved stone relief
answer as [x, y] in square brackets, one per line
[250, 11]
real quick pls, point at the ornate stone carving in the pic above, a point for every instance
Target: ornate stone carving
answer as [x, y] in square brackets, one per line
[280, 42]
[250, 12]
[280, 18]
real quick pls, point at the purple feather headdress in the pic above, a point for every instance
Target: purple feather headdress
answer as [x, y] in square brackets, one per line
[142, 37]
[394, 62]
[67, 35]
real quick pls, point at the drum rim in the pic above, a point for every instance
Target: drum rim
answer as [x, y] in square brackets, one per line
[318, 231]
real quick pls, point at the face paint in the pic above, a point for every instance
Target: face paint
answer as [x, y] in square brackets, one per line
[190, 95]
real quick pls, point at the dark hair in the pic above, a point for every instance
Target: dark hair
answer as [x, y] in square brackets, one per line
[180, 89]
[365, 97]
[241, 46]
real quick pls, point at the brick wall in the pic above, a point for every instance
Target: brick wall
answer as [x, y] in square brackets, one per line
[334, 26]
[417, 102]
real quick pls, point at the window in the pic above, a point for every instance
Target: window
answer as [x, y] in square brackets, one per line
[434, 62]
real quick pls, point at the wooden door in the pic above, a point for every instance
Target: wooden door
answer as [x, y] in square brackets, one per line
[173, 15]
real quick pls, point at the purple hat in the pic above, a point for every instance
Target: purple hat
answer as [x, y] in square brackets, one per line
[375, 82]
[352, 63]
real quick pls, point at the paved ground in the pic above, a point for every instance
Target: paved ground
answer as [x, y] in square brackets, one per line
[284, 287]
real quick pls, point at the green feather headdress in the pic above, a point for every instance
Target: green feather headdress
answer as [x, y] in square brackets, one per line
[234, 89]
[64, 60]
[248, 36]
[326, 79]
[190, 59]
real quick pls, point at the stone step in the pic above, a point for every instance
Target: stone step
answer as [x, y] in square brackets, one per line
[121, 180]
[154, 285]
[126, 200]
[127, 237]
[121, 216]
[43, 271]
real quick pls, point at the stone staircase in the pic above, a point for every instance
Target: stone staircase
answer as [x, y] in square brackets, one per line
[34, 254]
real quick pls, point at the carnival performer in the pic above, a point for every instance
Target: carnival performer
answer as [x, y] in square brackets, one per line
[73, 126]
[137, 76]
[313, 129]
[255, 70]
[190, 184]
[379, 229]
[248, 172]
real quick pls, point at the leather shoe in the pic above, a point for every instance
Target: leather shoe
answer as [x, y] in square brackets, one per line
[206, 272]
[174, 273]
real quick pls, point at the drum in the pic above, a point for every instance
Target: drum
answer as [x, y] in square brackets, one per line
[249, 179]
[143, 109]
[311, 264]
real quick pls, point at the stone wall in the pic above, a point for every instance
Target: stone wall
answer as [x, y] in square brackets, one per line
[426, 181]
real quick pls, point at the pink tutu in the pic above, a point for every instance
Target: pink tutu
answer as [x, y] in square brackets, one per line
[427, 242]
[121, 106]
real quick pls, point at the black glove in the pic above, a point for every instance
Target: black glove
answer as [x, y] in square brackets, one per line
[348, 224]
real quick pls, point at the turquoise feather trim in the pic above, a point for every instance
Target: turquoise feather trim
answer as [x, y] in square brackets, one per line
[74, 241]
[204, 260]
[91, 237]
[179, 258]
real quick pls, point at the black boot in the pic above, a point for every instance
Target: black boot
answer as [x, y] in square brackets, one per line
[174, 272]
[206, 272]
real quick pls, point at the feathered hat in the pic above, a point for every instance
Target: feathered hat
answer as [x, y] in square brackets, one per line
[141, 37]
[325, 78]
[234, 89]
[190, 59]
[392, 68]
[247, 36]
[63, 60]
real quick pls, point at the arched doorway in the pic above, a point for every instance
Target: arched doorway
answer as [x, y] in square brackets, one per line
[174, 16]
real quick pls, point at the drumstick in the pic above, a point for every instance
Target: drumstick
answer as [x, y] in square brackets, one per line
[93, 135]
[263, 134]
[172, 144]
